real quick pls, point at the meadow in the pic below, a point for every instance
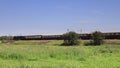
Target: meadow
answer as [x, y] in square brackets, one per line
[50, 54]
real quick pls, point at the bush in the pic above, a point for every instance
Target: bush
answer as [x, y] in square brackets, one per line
[90, 43]
[97, 38]
[6, 38]
[70, 38]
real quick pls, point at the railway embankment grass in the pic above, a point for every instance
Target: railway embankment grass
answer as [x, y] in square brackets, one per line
[49, 54]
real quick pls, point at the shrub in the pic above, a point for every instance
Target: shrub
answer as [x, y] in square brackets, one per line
[90, 43]
[70, 38]
[6, 39]
[97, 38]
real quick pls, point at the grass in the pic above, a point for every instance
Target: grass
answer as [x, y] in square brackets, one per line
[33, 54]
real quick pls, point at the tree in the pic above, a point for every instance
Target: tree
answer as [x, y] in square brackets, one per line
[6, 38]
[70, 38]
[97, 38]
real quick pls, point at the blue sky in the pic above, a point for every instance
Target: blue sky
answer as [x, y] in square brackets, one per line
[29, 17]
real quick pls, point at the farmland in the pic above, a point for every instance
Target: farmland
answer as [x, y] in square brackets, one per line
[50, 54]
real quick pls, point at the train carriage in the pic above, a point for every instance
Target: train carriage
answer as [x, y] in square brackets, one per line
[112, 35]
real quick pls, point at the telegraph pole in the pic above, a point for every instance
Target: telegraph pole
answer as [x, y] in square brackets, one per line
[80, 31]
[67, 30]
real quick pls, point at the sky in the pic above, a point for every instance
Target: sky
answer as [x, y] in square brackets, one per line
[49, 17]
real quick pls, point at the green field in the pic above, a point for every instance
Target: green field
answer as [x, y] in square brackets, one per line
[49, 54]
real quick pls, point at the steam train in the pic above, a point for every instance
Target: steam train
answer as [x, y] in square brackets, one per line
[111, 35]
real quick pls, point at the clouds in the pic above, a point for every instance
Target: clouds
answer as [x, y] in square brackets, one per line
[97, 12]
[87, 21]
[64, 7]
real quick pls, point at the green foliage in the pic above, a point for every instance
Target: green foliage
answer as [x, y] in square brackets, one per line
[6, 38]
[55, 56]
[13, 56]
[90, 43]
[97, 38]
[71, 38]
